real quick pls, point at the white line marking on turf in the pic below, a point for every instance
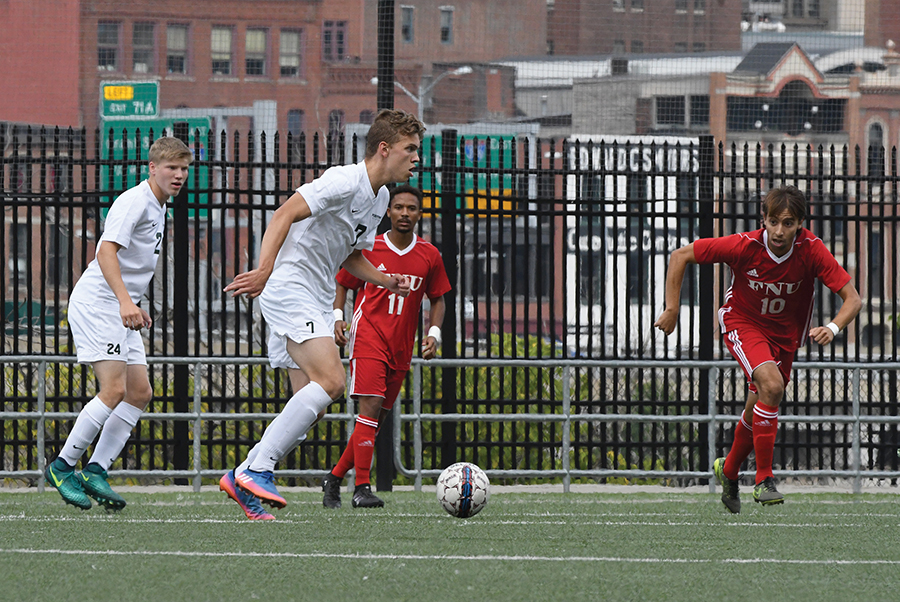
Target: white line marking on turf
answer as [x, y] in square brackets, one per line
[479, 522]
[479, 558]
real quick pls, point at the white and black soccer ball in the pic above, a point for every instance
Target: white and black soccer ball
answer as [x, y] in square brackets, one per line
[463, 489]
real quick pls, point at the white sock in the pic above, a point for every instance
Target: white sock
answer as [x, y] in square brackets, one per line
[115, 434]
[89, 422]
[251, 455]
[295, 419]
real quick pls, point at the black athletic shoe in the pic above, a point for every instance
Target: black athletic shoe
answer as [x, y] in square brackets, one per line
[765, 493]
[364, 498]
[331, 485]
[730, 494]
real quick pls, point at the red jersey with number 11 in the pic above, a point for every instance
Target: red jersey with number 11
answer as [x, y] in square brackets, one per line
[384, 323]
[774, 293]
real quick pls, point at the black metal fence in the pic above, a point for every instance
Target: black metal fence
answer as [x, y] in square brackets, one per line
[557, 248]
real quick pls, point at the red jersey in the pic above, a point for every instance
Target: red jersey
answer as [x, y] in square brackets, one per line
[384, 324]
[773, 293]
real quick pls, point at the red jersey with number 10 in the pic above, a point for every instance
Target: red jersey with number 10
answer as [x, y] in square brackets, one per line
[384, 323]
[774, 293]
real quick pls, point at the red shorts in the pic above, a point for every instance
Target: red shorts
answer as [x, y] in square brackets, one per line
[374, 378]
[752, 349]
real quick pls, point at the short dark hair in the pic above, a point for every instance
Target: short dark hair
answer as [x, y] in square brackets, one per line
[390, 126]
[406, 188]
[789, 198]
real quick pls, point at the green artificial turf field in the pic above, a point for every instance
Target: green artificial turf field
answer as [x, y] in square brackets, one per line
[523, 546]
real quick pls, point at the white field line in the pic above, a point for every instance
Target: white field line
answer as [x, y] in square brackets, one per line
[455, 557]
[474, 523]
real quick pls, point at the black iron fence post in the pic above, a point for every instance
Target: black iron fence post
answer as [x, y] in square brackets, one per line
[706, 208]
[450, 253]
[384, 444]
[180, 318]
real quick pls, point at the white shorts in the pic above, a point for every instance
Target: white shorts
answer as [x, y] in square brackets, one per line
[292, 313]
[99, 335]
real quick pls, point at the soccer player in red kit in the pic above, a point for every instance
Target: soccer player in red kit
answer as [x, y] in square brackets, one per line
[766, 316]
[382, 333]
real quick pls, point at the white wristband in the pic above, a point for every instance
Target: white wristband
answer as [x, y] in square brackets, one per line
[833, 328]
[339, 315]
[435, 332]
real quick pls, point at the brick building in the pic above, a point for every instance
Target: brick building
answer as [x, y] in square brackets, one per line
[314, 58]
[586, 27]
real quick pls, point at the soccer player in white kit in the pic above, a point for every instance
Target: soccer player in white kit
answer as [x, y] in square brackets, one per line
[324, 224]
[105, 321]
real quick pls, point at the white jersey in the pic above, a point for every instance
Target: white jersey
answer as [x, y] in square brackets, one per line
[345, 213]
[137, 222]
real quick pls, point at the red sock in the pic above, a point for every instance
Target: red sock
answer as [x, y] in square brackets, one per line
[364, 447]
[740, 448]
[346, 461]
[765, 426]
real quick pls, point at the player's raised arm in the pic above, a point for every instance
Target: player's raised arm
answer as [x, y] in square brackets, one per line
[678, 261]
[252, 282]
[360, 267]
[850, 307]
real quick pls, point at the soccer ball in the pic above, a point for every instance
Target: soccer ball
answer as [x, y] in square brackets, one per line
[463, 489]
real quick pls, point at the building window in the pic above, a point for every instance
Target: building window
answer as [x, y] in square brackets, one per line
[176, 48]
[256, 51]
[797, 8]
[143, 48]
[637, 46]
[618, 46]
[670, 110]
[220, 46]
[814, 9]
[295, 122]
[681, 6]
[108, 45]
[699, 47]
[446, 25]
[680, 46]
[876, 152]
[295, 130]
[618, 4]
[699, 6]
[407, 32]
[335, 130]
[637, 4]
[334, 40]
[289, 53]
[699, 111]
[335, 124]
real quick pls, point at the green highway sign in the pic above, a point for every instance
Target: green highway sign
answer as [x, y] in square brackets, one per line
[120, 100]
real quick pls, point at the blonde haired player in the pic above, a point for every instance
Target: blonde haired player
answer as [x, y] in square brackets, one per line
[105, 322]
[324, 224]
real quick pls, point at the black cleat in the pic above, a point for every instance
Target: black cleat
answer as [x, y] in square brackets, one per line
[730, 494]
[364, 498]
[765, 493]
[331, 485]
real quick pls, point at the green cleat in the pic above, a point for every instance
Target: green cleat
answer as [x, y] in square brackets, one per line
[93, 481]
[731, 496]
[63, 477]
[766, 494]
